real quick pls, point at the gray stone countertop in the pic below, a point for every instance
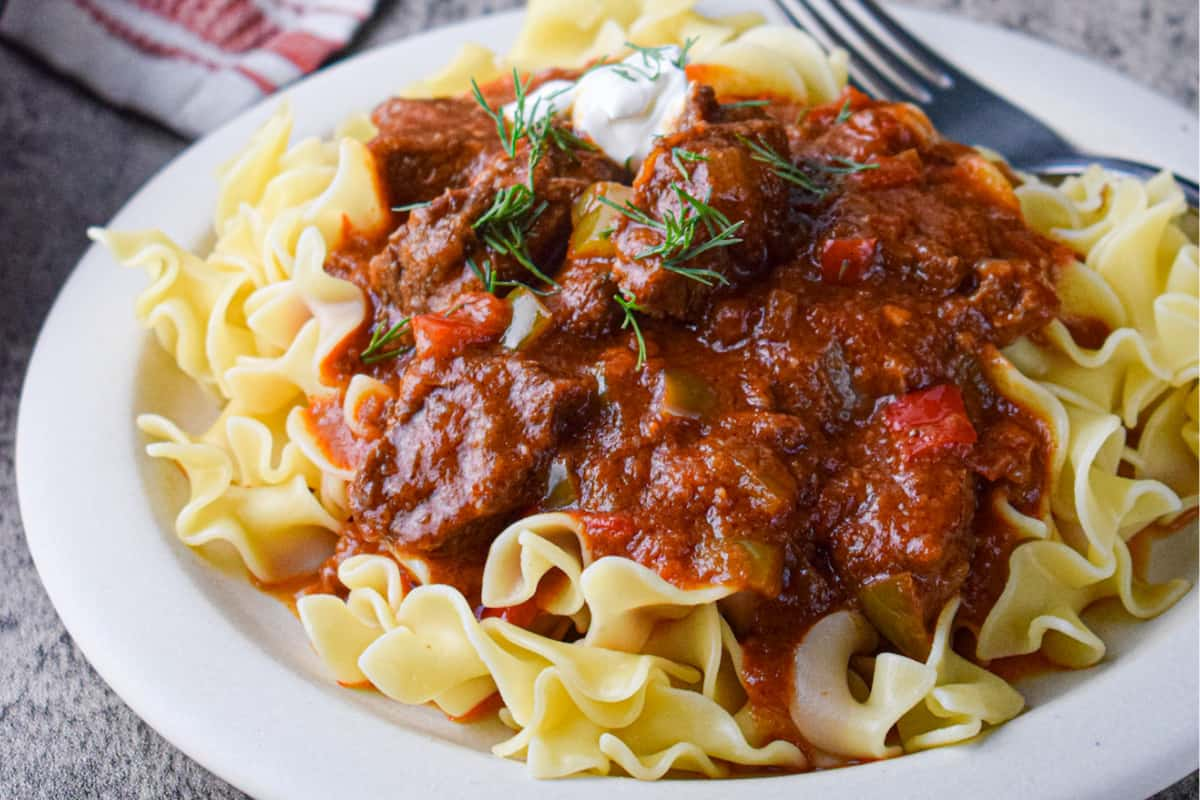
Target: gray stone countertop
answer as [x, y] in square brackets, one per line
[70, 161]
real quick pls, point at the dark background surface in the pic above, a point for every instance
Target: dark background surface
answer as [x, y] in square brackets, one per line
[68, 161]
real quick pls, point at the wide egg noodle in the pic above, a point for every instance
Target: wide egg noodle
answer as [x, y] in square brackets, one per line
[964, 697]
[239, 497]
[1138, 274]
[774, 60]
[254, 320]
[737, 54]
[1142, 271]
[191, 305]
[575, 706]
[823, 705]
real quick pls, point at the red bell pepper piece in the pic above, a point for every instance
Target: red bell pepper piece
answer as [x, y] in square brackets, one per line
[930, 420]
[845, 261]
[476, 317]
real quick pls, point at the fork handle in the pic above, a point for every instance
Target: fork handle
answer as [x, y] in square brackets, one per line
[1075, 164]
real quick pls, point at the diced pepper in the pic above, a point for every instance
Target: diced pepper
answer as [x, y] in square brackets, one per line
[476, 317]
[762, 565]
[529, 319]
[894, 608]
[845, 261]
[560, 488]
[594, 222]
[766, 480]
[930, 420]
[686, 394]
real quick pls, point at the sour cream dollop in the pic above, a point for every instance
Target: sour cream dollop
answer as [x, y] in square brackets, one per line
[621, 107]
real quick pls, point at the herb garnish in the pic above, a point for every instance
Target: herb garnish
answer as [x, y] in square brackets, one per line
[509, 136]
[680, 155]
[678, 229]
[793, 174]
[380, 338]
[564, 138]
[514, 210]
[628, 303]
[652, 60]
[781, 166]
[746, 104]
[491, 281]
[411, 206]
[504, 231]
[845, 166]
[844, 114]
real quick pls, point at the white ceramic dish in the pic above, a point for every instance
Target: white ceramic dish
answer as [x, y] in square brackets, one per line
[225, 673]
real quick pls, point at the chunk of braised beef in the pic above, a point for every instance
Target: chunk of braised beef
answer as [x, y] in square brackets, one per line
[829, 356]
[735, 490]
[422, 266]
[585, 305]
[723, 173]
[886, 515]
[466, 448]
[856, 127]
[424, 147]
[1009, 298]
[425, 262]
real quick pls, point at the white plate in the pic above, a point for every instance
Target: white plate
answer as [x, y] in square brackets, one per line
[225, 673]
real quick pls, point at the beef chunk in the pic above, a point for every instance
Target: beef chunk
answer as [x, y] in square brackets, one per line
[725, 175]
[425, 260]
[585, 306]
[885, 515]
[1010, 298]
[466, 448]
[426, 146]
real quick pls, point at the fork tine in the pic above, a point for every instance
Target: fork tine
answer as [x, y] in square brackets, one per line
[936, 68]
[803, 14]
[887, 60]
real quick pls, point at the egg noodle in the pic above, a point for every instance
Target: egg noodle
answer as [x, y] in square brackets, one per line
[653, 685]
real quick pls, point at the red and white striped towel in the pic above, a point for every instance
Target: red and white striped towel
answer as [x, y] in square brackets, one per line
[191, 64]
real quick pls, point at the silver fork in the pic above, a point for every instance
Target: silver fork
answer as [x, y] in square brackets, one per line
[907, 70]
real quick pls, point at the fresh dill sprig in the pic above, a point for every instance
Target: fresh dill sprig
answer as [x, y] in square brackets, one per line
[411, 206]
[633, 212]
[514, 210]
[682, 154]
[844, 114]
[628, 303]
[381, 338]
[793, 174]
[653, 60]
[678, 229]
[746, 104]
[491, 281]
[504, 226]
[681, 60]
[781, 166]
[509, 134]
[507, 236]
[565, 139]
[510, 204]
[845, 166]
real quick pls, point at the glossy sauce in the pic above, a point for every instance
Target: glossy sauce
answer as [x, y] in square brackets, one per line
[755, 446]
